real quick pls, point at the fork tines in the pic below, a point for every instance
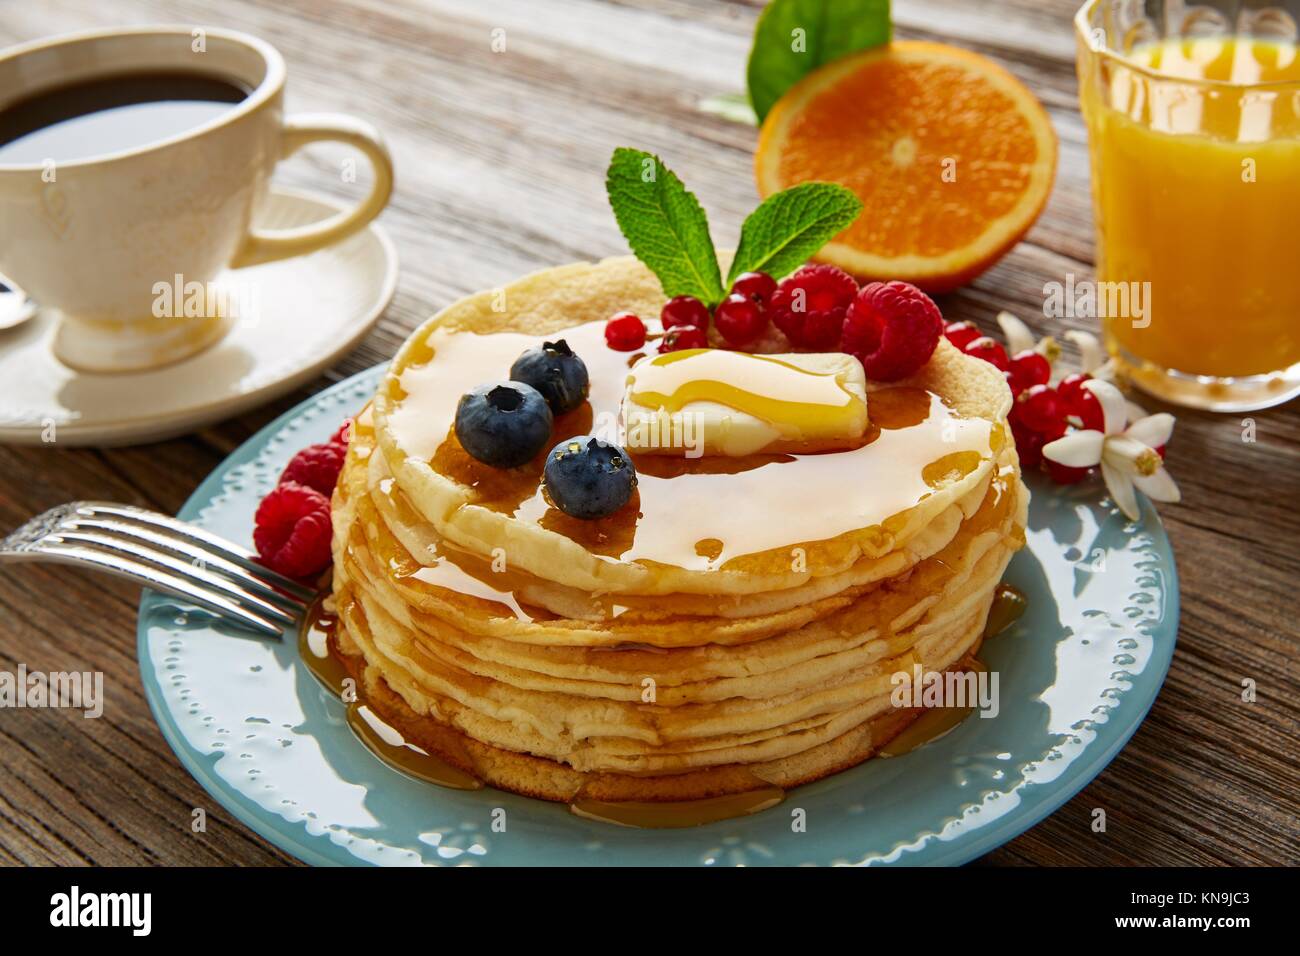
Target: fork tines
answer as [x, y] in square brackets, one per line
[166, 554]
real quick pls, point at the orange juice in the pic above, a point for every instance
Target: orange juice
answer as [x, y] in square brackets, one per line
[1195, 147]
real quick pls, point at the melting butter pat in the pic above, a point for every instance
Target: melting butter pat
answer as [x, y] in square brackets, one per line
[717, 402]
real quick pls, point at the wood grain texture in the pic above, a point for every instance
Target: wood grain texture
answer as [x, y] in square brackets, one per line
[499, 159]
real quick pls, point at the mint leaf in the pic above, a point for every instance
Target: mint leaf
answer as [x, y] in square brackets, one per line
[789, 226]
[794, 37]
[664, 224]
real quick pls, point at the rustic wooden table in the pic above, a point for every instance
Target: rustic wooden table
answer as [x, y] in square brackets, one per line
[500, 158]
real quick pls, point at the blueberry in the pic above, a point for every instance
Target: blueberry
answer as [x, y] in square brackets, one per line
[588, 478]
[556, 372]
[503, 424]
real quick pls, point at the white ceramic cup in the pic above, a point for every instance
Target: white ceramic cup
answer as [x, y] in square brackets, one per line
[94, 237]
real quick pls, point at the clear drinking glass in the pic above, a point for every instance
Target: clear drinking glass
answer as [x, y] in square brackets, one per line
[1193, 115]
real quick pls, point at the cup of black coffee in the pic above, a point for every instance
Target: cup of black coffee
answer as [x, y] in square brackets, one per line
[129, 157]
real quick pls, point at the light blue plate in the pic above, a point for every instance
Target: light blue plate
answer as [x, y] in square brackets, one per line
[1077, 675]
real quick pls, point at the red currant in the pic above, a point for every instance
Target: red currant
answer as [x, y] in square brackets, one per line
[625, 332]
[961, 334]
[1064, 474]
[1029, 446]
[683, 310]
[739, 319]
[683, 337]
[1028, 368]
[1071, 385]
[1080, 403]
[988, 350]
[1039, 409]
[758, 286]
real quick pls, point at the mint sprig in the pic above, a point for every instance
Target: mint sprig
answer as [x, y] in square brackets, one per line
[795, 37]
[789, 226]
[666, 228]
[664, 225]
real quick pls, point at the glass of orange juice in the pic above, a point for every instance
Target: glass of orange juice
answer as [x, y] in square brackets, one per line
[1193, 115]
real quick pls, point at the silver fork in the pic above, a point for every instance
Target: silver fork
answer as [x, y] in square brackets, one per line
[165, 554]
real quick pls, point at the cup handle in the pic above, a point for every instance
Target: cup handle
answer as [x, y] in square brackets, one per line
[270, 244]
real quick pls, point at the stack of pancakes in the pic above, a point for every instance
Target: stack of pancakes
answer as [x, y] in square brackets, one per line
[738, 625]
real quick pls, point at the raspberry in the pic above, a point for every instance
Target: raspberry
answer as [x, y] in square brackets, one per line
[739, 319]
[343, 435]
[893, 327]
[292, 530]
[758, 286]
[1028, 368]
[684, 337]
[988, 350]
[684, 310]
[961, 334]
[317, 466]
[809, 306]
[625, 332]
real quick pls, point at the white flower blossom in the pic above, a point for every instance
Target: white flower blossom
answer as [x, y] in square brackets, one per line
[1126, 452]
[1092, 357]
[1020, 339]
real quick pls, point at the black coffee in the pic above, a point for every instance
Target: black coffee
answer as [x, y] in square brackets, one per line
[111, 113]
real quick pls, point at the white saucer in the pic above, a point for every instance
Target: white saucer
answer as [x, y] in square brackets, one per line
[310, 311]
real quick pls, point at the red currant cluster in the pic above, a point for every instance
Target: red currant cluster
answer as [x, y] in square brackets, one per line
[1041, 413]
[892, 327]
[740, 318]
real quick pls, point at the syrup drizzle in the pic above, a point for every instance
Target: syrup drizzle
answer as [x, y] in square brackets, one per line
[914, 443]
[771, 390]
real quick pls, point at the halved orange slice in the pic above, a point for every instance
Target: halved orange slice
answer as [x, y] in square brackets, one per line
[951, 155]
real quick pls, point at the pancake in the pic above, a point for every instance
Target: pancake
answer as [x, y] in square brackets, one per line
[742, 623]
[667, 549]
[536, 776]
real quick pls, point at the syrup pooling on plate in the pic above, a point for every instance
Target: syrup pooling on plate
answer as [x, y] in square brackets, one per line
[1008, 607]
[316, 640]
[934, 722]
[755, 504]
[674, 815]
[388, 744]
